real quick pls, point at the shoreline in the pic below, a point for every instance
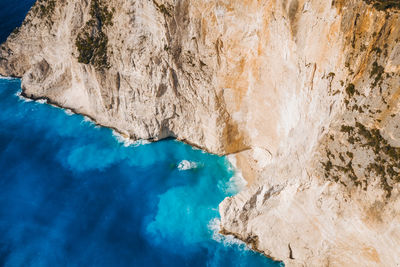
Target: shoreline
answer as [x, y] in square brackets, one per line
[238, 180]
[19, 102]
[251, 243]
[235, 159]
[232, 158]
[119, 132]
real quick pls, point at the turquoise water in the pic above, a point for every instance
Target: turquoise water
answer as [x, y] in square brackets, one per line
[72, 195]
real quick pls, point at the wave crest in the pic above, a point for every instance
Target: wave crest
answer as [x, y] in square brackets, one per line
[68, 111]
[42, 101]
[6, 78]
[22, 98]
[185, 165]
[127, 141]
[227, 240]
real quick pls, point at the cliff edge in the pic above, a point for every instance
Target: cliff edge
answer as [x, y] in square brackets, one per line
[304, 93]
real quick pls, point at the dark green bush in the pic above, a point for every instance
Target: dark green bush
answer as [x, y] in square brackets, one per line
[350, 90]
[92, 42]
[377, 71]
[93, 49]
[44, 8]
[384, 4]
[99, 11]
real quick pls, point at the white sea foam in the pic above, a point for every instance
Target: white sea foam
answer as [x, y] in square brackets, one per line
[127, 141]
[87, 119]
[41, 101]
[227, 240]
[141, 142]
[6, 78]
[236, 183]
[25, 99]
[185, 165]
[68, 112]
[232, 162]
[22, 98]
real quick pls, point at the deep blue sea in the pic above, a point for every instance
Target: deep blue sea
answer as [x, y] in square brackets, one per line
[72, 194]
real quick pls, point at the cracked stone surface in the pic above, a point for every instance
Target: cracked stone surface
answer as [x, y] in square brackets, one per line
[303, 93]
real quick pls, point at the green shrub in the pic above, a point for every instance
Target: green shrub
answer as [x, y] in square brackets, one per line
[93, 49]
[350, 90]
[92, 42]
[44, 8]
[384, 4]
[377, 71]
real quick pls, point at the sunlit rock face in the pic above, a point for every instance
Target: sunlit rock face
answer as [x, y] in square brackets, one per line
[305, 93]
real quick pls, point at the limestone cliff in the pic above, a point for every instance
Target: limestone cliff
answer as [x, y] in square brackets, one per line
[303, 92]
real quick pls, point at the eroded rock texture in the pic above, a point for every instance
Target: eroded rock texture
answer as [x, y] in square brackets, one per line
[303, 92]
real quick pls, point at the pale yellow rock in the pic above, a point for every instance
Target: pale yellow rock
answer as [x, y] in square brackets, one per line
[272, 81]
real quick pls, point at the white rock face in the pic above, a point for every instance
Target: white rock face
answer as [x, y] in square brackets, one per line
[303, 92]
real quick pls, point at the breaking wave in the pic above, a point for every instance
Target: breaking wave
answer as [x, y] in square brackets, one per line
[22, 98]
[128, 141]
[6, 78]
[69, 186]
[185, 165]
[228, 240]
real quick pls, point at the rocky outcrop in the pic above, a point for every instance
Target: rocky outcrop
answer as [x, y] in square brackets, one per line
[130, 65]
[303, 92]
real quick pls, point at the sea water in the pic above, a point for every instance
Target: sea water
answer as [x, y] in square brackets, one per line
[75, 194]
[12, 12]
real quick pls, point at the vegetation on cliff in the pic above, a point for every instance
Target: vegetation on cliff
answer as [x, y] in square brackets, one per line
[163, 9]
[358, 153]
[384, 4]
[384, 162]
[92, 41]
[44, 8]
[344, 162]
